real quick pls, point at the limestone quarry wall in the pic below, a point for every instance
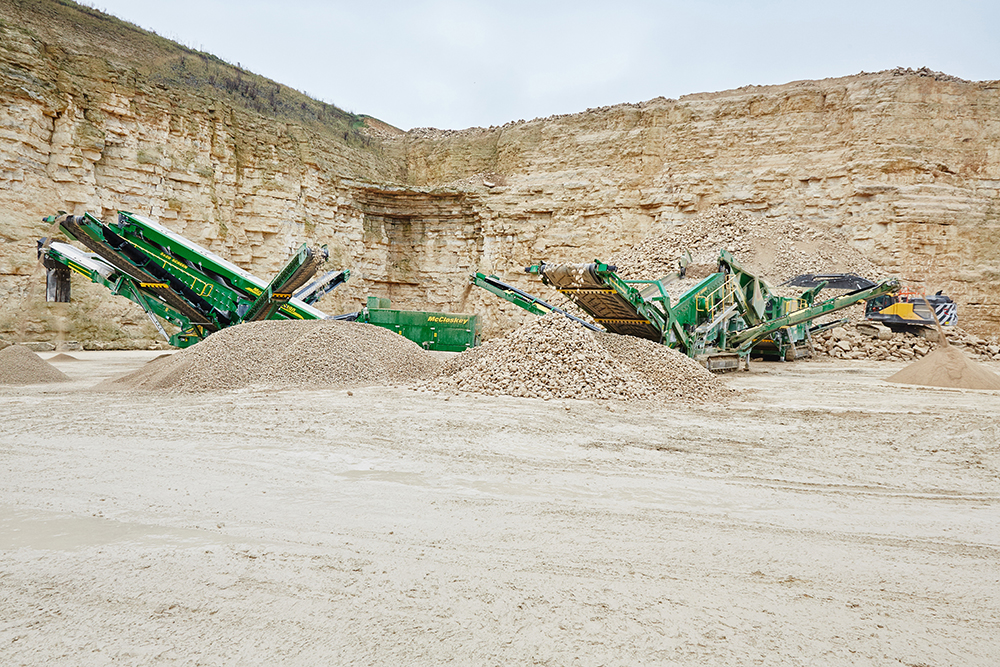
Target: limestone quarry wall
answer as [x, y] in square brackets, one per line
[905, 166]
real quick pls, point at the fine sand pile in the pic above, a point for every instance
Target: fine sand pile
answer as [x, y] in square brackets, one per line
[281, 354]
[553, 357]
[947, 366]
[62, 356]
[20, 366]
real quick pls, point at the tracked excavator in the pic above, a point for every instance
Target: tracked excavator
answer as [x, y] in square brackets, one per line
[720, 321]
[905, 310]
[175, 280]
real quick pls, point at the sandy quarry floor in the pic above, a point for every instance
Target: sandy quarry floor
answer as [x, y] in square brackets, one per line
[825, 518]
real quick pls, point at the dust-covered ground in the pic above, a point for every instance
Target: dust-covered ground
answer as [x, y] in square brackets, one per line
[824, 516]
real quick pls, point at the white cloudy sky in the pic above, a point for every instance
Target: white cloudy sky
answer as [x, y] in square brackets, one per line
[454, 64]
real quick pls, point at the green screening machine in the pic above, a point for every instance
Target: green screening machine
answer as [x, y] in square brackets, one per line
[442, 332]
[176, 280]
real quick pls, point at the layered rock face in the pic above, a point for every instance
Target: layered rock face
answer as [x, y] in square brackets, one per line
[904, 166]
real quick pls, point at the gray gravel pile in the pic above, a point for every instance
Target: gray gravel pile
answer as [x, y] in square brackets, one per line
[21, 366]
[667, 371]
[552, 357]
[281, 354]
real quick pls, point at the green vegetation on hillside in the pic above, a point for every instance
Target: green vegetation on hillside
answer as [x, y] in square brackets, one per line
[215, 78]
[83, 30]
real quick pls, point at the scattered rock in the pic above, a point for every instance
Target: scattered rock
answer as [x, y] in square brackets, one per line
[838, 333]
[772, 248]
[841, 341]
[39, 346]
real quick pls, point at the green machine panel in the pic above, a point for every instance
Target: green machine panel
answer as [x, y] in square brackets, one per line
[443, 332]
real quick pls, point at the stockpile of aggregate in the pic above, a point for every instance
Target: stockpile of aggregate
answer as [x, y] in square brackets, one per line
[283, 354]
[947, 366]
[851, 342]
[553, 357]
[21, 366]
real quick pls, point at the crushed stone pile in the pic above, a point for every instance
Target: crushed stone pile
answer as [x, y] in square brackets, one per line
[773, 248]
[947, 366]
[21, 366]
[282, 354]
[863, 341]
[850, 342]
[553, 357]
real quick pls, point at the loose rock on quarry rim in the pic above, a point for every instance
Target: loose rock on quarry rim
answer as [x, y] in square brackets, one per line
[774, 248]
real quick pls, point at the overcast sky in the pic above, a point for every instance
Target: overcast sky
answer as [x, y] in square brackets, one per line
[451, 64]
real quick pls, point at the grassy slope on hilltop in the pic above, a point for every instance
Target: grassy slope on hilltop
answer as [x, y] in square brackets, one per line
[78, 30]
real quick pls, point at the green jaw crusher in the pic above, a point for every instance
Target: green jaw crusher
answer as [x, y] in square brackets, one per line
[719, 321]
